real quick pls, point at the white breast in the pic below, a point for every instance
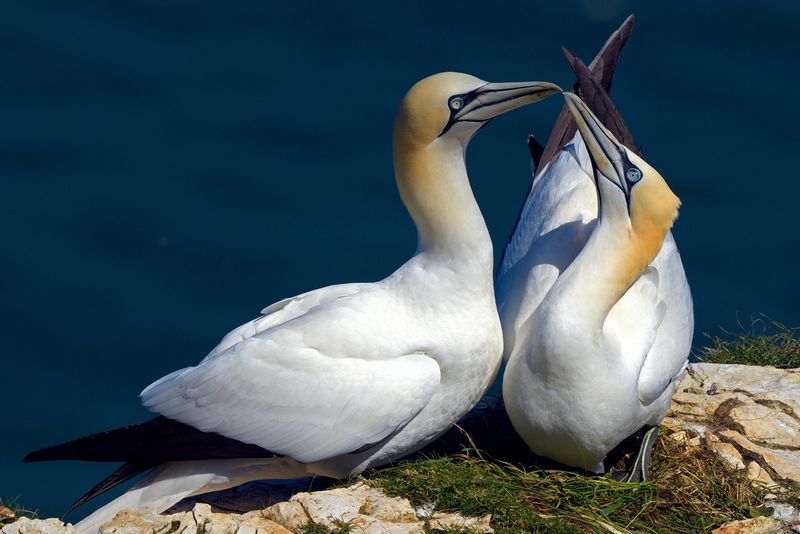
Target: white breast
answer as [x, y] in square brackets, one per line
[571, 395]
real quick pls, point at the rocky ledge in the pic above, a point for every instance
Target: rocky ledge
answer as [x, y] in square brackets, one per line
[360, 507]
[749, 416]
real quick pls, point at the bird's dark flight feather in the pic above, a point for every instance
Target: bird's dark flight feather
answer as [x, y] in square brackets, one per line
[536, 149]
[601, 71]
[124, 472]
[597, 99]
[154, 441]
[602, 67]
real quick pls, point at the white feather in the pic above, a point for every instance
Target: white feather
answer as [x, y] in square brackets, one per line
[350, 376]
[577, 399]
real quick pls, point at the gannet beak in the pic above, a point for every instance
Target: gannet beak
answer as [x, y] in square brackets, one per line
[493, 99]
[608, 155]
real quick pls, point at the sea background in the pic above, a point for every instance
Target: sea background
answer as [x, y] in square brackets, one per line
[169, 168]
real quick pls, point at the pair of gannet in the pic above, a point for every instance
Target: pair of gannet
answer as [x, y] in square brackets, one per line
[336, 380]
[595, 307]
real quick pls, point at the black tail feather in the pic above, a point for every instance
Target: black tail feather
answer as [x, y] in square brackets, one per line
[123, 473]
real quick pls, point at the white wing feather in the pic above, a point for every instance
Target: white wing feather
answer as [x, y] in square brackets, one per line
[654, 323]
[635, 319]
[554, 224]
[562, 192]
[667, 358]
[282, 311]
[292, 399]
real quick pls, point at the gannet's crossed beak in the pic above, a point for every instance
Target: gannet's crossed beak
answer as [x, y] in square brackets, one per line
[608, 155]
[493, 99]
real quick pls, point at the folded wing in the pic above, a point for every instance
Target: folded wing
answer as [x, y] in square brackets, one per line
[667, 358]
[292, 399]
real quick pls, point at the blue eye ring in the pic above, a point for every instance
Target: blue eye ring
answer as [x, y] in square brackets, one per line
[456, 103]
[633, 175]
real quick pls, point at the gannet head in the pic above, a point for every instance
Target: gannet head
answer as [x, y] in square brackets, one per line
[452, 105]
[629, 187]
[436, 119]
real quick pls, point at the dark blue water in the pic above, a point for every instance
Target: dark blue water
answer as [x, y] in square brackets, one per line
[170, 168]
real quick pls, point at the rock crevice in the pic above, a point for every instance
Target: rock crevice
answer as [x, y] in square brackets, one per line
[746, 414]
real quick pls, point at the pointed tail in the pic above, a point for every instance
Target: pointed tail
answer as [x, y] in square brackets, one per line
[169, 483]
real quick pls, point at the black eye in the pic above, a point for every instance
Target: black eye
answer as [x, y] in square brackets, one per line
[633, 174]
[456, 103]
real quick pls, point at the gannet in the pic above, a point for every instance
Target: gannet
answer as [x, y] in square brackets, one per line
[593, 299]
[348, 376]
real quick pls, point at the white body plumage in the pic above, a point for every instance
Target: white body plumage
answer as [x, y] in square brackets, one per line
[401, 359]
[353, 375]
[587, 365]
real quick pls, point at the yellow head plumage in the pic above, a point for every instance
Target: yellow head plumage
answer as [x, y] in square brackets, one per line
[436, 119]
[653, 209]
[425, 110]
[635, 201]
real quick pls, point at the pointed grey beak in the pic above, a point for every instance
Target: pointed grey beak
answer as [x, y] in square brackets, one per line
[493, 99]
[608, 155]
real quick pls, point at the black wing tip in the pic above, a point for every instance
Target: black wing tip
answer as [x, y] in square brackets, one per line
[604, 63]
[594, 83]
[53, 452]
[75, 449]
[122, 474]
[570, 56]
[579, 67]
[35, 456]
[628, 22]
[536, 149]
[623, 33]
[599, 101]
[157, 440]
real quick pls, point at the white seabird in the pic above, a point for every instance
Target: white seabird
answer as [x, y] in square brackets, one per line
[593, 299]
[349, 376]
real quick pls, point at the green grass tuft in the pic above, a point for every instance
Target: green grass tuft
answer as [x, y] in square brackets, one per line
[765, 342]
[342, 527]
[791, 495]
[314, 528]
[691, 491]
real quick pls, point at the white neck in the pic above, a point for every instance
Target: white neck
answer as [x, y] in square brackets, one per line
[603, 271]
